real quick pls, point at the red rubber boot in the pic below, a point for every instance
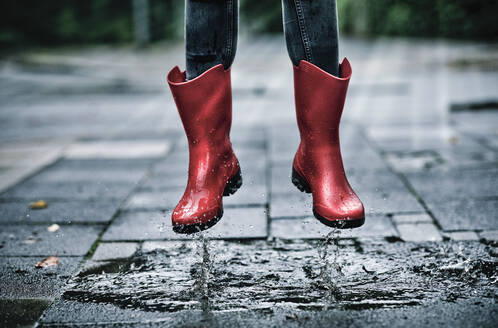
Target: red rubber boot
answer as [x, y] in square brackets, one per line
[205, 107]
[317, 166]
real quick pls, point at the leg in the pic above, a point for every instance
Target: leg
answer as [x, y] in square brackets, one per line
[210, 34]
[311, 33]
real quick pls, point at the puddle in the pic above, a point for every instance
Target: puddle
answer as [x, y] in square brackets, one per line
[213, 275]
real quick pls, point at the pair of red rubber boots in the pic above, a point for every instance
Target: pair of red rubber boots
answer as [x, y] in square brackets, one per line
[205, 107]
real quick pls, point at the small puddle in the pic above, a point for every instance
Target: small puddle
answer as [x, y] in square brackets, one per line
[214, 275]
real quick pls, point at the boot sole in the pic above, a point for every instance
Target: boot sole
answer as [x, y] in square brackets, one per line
[304, 186]
[231, 187]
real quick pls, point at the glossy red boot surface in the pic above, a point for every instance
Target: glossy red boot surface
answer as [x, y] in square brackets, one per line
[317, 166]
[205, 107]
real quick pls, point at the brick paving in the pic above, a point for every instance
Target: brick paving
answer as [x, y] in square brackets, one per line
[102, 144]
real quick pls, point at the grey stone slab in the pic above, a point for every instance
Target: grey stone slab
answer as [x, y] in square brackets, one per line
[490, 235]
[114, 251]
[465, 214]
[419, 232]
[461, 235]
[69, 190]
[22, 312]
[411, 218]
[435, 185]
[386, 200]
[248, 195]
[143, 225]
[166, 199]
[103, 164]
[13, 211]
[374, 180]
[295, 204]
[57, 211]
[281, 179]
[161, 182]
[20, 279]
[311, 228]
[150, 225]
[89, 174]
[176, 163]
[383, 192]
[31, 240]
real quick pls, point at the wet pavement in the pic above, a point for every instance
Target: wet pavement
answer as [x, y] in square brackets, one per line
[94, 133]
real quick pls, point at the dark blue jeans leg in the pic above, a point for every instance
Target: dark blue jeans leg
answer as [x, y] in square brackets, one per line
[311, 32]
[211, 28]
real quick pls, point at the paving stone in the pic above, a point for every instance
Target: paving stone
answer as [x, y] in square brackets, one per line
[419, 232]
[281, 179]
[57, 211]
[22, 312]
[311, 228]
[411, 218]
[248, 195]
[296, 204]
[69, 190]
[113, 251]
[465, 214]
[20, 279]
[103, 164]
[150, 225]
[31, 240]
[491, 235]
[166, 199]
[419, 137]
[118, 149]
[462, 235]
[89, 174]
[162, 182]
[26, 157]
[386, 200]
[443, 185]
[12, 212]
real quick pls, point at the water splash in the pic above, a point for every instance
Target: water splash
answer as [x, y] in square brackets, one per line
[203, 273]
[331, 271]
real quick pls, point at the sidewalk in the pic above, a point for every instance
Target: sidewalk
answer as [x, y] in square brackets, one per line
[95, 134]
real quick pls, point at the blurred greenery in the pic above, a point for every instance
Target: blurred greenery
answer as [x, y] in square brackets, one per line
[55, 22]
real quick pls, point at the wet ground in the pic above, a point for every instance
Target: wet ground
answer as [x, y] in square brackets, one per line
[303, 275]
[94, 134]
[300, 281]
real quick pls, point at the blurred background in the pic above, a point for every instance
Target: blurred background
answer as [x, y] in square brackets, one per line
[59, 22]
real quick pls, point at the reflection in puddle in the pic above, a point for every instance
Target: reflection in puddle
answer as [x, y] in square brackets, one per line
[306, 275]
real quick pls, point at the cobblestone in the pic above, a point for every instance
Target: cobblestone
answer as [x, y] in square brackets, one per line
[418, 232]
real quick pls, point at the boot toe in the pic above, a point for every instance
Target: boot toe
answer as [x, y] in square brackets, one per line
[346, 211]
[186, 216]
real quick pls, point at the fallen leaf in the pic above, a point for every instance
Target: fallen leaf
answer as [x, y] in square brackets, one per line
[453, 140]
[49, 261]
[53, 228]
[38, 205]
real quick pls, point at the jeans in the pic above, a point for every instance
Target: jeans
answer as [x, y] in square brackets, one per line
[211, 26]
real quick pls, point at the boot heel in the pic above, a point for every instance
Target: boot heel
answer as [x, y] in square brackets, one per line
[300, 182]
[233, 184]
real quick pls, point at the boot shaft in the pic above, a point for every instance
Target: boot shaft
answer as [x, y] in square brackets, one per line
[204, 105]
[319, 98]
